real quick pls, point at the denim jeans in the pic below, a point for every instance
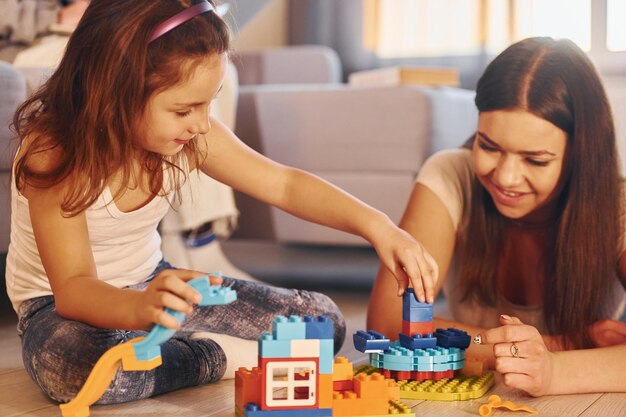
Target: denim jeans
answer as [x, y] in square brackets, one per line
[59, 354]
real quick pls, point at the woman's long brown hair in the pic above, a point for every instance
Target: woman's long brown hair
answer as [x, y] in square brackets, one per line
[88, 110]
[555, 81]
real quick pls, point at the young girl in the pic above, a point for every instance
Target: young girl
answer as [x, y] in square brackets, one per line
[104, 147]
[526, 225]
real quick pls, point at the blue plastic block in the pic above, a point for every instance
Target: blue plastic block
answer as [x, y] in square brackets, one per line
[270, 348]
[288, 329]
[370, 341]
[327, 356]
[150, 347]
[419, 314]
[321, 327]
[455, 366]
[452, 338]
[215, 295]
[417, 341]
[253, 410]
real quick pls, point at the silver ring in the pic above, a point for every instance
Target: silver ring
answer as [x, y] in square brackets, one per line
[514, 350]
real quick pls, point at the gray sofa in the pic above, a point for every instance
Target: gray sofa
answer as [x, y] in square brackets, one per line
[13, 88]
[294, 108]
[371, 141]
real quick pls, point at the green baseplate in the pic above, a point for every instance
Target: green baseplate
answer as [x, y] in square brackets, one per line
[459, 388]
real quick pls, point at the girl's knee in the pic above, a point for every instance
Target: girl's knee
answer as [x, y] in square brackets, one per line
[326, 306]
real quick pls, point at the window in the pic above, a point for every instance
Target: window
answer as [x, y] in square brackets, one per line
[615, 28]
[291, 383]
[427, 28]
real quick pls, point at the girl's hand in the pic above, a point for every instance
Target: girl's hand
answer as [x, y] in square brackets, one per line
[608, 333]
[521, 356]
[409, 262]
[169, 289]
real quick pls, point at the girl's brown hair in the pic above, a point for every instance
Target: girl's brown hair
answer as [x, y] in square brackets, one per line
[87, 111]
[556, 81]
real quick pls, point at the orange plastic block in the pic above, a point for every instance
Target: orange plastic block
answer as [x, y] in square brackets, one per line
[370, 386]
[325, 390]
[342, 369]
[494, 401]
[102, 374]
[473, 367]
[348, 404]
[247, 387]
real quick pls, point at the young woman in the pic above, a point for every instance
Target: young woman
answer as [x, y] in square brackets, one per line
[526, 224]
[104, 147]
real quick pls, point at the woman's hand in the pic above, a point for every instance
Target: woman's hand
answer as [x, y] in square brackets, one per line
[169, 289]
[409, 262]
[521, 356]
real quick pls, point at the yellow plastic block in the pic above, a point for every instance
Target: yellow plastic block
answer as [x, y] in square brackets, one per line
[342, 369]
[397, 407]
[495, 401]
[459, 388]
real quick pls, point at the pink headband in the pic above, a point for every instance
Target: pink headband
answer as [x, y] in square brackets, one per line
[180, 18]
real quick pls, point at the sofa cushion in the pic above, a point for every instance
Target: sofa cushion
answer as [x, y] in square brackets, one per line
[13, 88]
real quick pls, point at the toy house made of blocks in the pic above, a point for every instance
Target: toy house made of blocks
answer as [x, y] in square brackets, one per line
[298, 377]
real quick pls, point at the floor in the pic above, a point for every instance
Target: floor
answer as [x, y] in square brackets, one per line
[345, 274]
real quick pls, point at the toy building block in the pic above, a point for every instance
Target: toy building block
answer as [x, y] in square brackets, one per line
[413, 310]
[370, 341]
[271, 348]
[473, 367]
[495, 401]
[327, 353]
[308, 348]
[288, 328]
[397, 407]
[411, 328]
[253, 410]
[374, 386]
[325, 390]
[349, 404]
[281, 387]
[247, 383]
[342, 369]
[139, 354]
[453, 389]
[418, 341]
[321, 327]
[452, 338]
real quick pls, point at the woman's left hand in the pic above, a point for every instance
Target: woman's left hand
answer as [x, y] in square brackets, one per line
[521, 356]
[409, 262]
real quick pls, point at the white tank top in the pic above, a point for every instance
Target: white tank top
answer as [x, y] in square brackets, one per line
[126, 246]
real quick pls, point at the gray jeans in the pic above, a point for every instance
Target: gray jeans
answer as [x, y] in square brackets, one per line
[59, 354]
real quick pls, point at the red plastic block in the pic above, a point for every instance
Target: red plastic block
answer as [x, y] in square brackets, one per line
[417, 327]
[247, 387]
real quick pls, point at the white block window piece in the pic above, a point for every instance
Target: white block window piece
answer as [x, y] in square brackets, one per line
[291, 383]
